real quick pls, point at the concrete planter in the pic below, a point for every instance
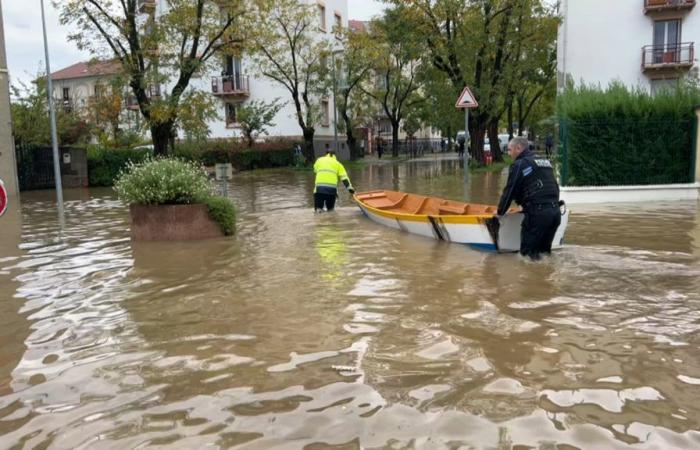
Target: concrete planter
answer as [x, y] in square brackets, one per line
[172, 223]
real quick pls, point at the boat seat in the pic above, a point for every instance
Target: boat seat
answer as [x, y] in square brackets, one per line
[371, 195]
[420, 206]
[385, 203]
[458, 210]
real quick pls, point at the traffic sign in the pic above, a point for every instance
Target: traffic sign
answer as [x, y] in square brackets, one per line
[3, 198]
[466, 100]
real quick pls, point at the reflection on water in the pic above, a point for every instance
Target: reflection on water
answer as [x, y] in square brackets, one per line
[317, 331]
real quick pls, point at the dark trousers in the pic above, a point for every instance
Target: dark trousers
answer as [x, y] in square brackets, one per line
[321, 200]
[539, 226]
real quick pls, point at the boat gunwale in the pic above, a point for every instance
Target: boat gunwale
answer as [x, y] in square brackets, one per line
[464, 219]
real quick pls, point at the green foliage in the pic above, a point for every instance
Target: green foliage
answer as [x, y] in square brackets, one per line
[223, 212]
[162, 181]
[622, 137]
[30, 118]
[254, 117]
[268, 154]
[105, 164]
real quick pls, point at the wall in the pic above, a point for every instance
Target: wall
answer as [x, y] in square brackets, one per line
[601, 40]
[8, 167]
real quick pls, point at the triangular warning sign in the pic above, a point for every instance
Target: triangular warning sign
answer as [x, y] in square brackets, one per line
[466, 99]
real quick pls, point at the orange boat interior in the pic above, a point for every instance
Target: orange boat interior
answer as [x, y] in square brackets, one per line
[403, 203]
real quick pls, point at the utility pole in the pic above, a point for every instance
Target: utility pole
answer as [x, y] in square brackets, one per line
[52, 117]
[335, 108]
[8, 164]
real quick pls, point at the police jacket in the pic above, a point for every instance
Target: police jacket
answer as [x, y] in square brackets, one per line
[531, 181]
[328, 171]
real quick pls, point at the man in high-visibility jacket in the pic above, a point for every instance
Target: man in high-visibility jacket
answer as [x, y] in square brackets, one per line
[328, 170]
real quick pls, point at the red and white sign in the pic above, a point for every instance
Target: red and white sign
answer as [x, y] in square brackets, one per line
[3, 198]
[466, 100]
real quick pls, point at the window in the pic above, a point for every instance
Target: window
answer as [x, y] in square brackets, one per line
[99, 90]
[322, 17]
[667, 37]
[66, 94]
[338, 25]
[325, 114]
[660, 85]
[231, 114]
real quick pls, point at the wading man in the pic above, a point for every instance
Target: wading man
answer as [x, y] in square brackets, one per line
[533, 185]
[328, 171]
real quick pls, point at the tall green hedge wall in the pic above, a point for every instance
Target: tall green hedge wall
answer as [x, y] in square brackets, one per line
[619, 136]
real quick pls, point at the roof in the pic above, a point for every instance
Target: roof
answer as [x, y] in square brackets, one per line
[357, 25]
[88, 69]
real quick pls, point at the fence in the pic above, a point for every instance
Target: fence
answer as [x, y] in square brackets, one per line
[35, 167]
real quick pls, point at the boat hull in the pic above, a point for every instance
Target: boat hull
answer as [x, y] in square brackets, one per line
[476, 230]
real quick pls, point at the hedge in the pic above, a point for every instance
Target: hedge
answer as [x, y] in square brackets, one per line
[619, 136]
[104, 165]
[271, 153]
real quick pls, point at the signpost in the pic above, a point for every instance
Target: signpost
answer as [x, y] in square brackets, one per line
[466, 101]
[3, 198]
[224, 172]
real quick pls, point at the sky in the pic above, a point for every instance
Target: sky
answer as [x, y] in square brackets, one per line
[25, 47]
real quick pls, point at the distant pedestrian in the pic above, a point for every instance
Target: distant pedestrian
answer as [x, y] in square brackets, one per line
[461, 141]
[548, 144]
[443, 145]
[380, 148]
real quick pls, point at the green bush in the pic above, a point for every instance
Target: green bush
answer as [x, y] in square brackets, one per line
[222, 211]
[105, 164]
[163, 181]
[621, 137]
[271, 153]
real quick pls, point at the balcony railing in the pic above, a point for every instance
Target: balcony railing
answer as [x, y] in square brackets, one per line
[235, 85]
[152, 92]
[677, 56]
[664, 5]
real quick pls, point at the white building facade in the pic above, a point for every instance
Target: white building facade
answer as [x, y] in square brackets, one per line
[232, 83]
[643, 43]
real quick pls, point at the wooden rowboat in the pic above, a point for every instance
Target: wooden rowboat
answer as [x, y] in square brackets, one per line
[448, 220]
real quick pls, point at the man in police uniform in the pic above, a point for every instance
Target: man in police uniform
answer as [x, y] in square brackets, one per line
[328, 170]
[533, 185]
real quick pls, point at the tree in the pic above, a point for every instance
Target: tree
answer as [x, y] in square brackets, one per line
[104, 109]
[287, 49]
[168, 48]
[355, 66]
[396, 67]
[480, 44]
[30, 118]
[254, 118]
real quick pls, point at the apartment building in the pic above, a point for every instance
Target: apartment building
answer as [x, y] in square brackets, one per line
[232, 84]
[645, 43]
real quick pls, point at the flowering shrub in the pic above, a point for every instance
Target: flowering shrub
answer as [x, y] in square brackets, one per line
[161, 182]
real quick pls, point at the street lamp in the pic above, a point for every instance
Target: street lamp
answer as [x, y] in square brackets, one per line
[52, 118]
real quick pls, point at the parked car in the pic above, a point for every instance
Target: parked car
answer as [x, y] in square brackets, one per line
[503, 140]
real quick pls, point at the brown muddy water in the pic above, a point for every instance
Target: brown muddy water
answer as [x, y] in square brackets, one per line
[328, 331]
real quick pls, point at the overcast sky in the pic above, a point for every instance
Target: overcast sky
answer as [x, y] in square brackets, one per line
[24, 41]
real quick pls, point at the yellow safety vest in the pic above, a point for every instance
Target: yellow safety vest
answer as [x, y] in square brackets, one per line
[328, 170]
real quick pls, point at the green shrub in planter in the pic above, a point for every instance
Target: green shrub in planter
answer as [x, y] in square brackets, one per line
[222, 211]
[163, 182]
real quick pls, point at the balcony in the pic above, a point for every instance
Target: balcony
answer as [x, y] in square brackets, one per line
[651, 6]
[146, 6]
[665, 57]
[236, 85]
[152, 92]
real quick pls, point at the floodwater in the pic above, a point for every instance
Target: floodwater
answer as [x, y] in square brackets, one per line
[328, 331]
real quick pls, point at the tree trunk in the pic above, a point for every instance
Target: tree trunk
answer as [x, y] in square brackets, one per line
[395, 138]
[309, 153]
[161, 134]
[349, 132]
[495, 143]
[477, 134]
